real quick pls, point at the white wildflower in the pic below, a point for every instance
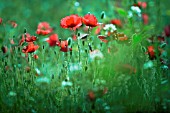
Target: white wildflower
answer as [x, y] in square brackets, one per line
[110, 27]
[66, 83]
[11, 93]
[75, 67]
[43, 80]
[136, 9]
[96, 54]
[148, 64]
[38, 71]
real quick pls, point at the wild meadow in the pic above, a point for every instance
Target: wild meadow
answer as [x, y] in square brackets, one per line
[84, 56]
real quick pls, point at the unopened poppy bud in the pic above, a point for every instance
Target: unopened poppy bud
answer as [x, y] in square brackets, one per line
[83, 42]
[19, 49]
[5, 63]
[78, 34]
[60, 39]
[101, 44]
[143, 49]
[4, 49]
[69, 42]
[85, 68]
[52, 77]
[71, 53]
[55, 52]
[66, 80]
[93, 106]
[90, 47]
[43, 46]
[102, 14]
[25, 30]
[86, 50]
[163, 45]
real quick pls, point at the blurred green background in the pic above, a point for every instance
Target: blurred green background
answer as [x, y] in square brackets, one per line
[28, 13]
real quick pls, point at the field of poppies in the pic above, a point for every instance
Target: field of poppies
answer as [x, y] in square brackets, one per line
[84, 56]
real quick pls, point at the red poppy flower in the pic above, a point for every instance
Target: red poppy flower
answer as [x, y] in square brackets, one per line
[99, 28]
[102, 38]
[44, 28]
[64, 46]
[0, 20]
[145, 18]
[30, 48]
[74, 37]
[151, 52]
[12, 41]
[30, 38]
[90, 20]
[73, 22]
[159, 38]
[124, 38]
[142, 4]
[167, 30]
[105, 90]
[35, 56]
[53, 40]
[116, 22]
[22, 40]
[91, 95]
[13, 24]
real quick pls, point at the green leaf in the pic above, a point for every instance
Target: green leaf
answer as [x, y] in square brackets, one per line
[121, 11]
[136, 39]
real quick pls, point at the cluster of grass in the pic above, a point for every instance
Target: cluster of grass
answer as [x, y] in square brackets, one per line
[73, 82]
